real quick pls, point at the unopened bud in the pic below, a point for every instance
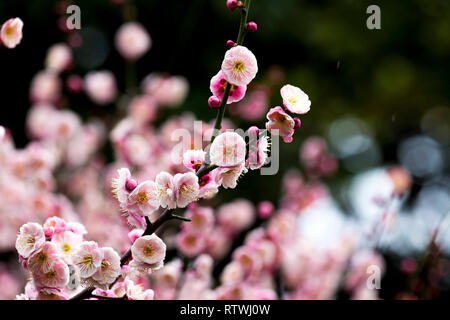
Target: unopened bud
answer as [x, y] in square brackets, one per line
[213, 102]
[252, 26]
[297, 123]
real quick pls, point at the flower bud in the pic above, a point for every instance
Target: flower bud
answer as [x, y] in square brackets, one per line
[232, 4]
[252, 27]
[213, 102]
[297, 123]
[131, 184]
[230, 44]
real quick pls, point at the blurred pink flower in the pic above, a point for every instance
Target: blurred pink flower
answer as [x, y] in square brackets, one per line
[132, 40]
[100, 86]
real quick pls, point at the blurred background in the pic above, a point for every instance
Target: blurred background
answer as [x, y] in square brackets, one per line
[379, 97]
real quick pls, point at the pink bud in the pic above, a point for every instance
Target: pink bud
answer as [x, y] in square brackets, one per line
[131, 184]
[253, 131]
[232, 4]
[297, 124]
[252, 26]
[230, 44]
[265, 209]
[213, 102]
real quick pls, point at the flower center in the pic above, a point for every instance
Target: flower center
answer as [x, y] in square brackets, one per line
[142, 197]
[65, 248]
[238, 66]
[42, 257]
[292, 100]
[148, 250]
[105, 265]
[87, 260]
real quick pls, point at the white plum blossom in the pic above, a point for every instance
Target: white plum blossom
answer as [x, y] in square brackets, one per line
[295, 100]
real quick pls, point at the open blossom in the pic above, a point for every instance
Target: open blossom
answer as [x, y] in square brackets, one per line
[150, 250]
[166, 190]
[42, 260]
[56, 277]
[136, 292]
[228, 177]
[295, 100]
[218, 84]
[132, 40]
[228, 149]
[281, 121]
[144, 198]
[236, 215]
[100, 86]
[110, 267]
[51, 294]
[239, 66]
[59, 57]
[31, 237]
[11, 32]
[88, 258]
[66, 244]
[123, 185]
[208, 186]
[187, 188]
[193, 159]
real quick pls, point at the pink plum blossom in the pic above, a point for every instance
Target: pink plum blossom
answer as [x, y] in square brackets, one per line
[208, 186]
[228, 177]
[11, 32]
[136, 292]
[67, 244]
[149, 249]
[228, 149]
[166, 189]
[281, 121]
[132, 40]
[31, 237]
[239, 66]
[43, 259]
[143, 198]
[218, 84]
[100, 86]
[187, 188]
[258, 154]
[88, 258]
[193, 159]
[56, 277]
[109, 268]
[295, 100]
